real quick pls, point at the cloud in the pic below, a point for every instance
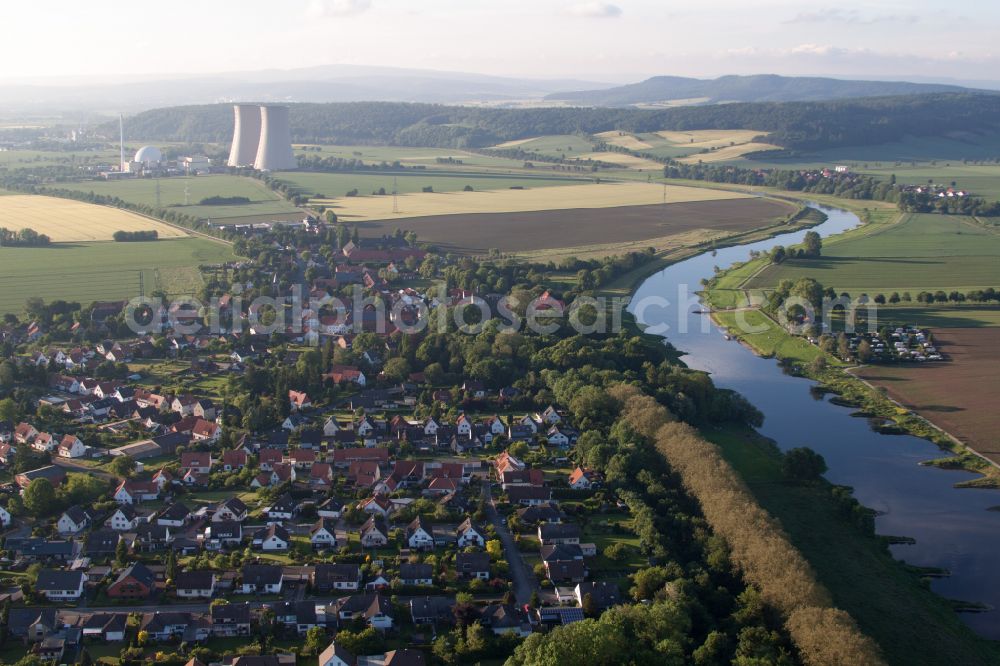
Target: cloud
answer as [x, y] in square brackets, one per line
[329, 8]
[850, 17]
[596, 10]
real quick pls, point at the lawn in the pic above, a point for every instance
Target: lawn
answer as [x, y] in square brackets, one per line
[65, 220]
[920, 252]
[889, 604]
[768, 338]
[87, 272]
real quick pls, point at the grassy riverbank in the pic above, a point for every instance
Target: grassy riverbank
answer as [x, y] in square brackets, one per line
[890, 602]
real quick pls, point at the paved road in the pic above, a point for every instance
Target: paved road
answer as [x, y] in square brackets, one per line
[70, 464]
[524, 578]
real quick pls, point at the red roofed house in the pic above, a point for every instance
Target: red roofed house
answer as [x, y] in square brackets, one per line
[71, 447]
[234, 460]
[299, 400]
[197, 461]
[206, 431]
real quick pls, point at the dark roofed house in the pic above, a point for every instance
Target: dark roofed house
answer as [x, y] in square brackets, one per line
[416, 574]
[195, 584]
[51, 473]
[230, 619]
[432, 610]
[473, 565]
[59, 585]
[603, 594]
[329, 577]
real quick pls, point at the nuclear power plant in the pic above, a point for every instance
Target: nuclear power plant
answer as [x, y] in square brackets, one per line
[262, 138]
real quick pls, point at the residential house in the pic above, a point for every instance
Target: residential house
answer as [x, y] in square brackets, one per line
[229, 620]
[234, 460]
[416, 574]
[323, 534]
[132, 491]
[473, 565]
[330, 577]
[197, 461]
[261, 579]
[71, 447]
[281, 509]
[558, 534]
[529, 495]
[604, 595]
[506, 619]
[330, 508]
[73, 520]
[175, 515]
[584, 479]
[419, 537]
[468, 534]
[300, 615]
[299, 400]
[123, 519]
[271, 538]
[437, 611]
[57, 585]
[134, 582]
[223, 533]
[376, 610]
[195, 584]
[373, 534]
[232, 509]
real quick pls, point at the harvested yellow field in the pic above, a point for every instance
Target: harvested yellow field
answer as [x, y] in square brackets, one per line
[623, 140]
[603, 195]
[622, 159]
[727, 153]
[65, 221]
[711, 138]
[515, 143]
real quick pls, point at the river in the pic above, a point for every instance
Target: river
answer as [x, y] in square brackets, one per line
[952, 527]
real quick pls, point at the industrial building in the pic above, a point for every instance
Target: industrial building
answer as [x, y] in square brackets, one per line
[262, 138]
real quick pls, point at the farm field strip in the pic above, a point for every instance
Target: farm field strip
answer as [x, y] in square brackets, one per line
[919, 252]
[333, 185]
[65, 220]
[86, 272]
[604, 195]
[959, 396]
[611, 227]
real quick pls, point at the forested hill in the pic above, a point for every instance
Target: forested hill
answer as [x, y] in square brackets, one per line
[757, 88]
[794, 125]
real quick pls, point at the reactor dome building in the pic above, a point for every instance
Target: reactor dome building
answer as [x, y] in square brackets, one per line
[262, 138]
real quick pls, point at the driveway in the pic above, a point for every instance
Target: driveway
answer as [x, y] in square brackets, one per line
[523, 577]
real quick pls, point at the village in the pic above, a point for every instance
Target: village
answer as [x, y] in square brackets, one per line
[358, 516]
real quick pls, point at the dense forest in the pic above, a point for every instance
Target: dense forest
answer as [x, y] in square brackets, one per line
[793, 125]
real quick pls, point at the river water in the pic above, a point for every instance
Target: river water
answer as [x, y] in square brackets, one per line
[952, 527]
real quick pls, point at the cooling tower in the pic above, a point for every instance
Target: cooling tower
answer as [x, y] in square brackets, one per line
[275, 150]
[246, 135]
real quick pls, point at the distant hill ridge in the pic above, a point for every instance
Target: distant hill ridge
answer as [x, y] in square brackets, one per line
[791, 125]
[756, 88]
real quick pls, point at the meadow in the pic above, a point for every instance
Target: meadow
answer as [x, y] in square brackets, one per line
[918, 253]
[408, 156]
[172, 194]
[571, 196]
[596, 231]
[65, 220]
[86, 272]
[554, 145]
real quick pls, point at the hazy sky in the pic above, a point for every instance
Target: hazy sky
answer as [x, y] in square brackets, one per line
[618, 40]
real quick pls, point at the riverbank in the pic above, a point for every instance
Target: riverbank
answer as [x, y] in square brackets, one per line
[734, 310]
[891, 601]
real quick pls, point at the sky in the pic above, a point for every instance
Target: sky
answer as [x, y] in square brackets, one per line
[613, 41]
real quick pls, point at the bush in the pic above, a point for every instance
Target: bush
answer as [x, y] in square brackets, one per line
[135, 236]
[223, 201]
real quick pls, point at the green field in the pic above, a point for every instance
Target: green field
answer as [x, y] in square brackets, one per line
[331, 185]
[408, 156]
[920, 252]
[26, 159]
[555, 145]
[143, 191]
[86, 272]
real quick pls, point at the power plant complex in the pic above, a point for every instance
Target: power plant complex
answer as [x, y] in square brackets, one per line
[262, 138]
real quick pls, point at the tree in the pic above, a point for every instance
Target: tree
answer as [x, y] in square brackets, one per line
[40, 498]
[315, 640]
[864, 351]
[588, 605]
[8, 410]
[396, 370]
[803, 464]
[121, 553]
[813, 244]
[122, 466]
[495, 549]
